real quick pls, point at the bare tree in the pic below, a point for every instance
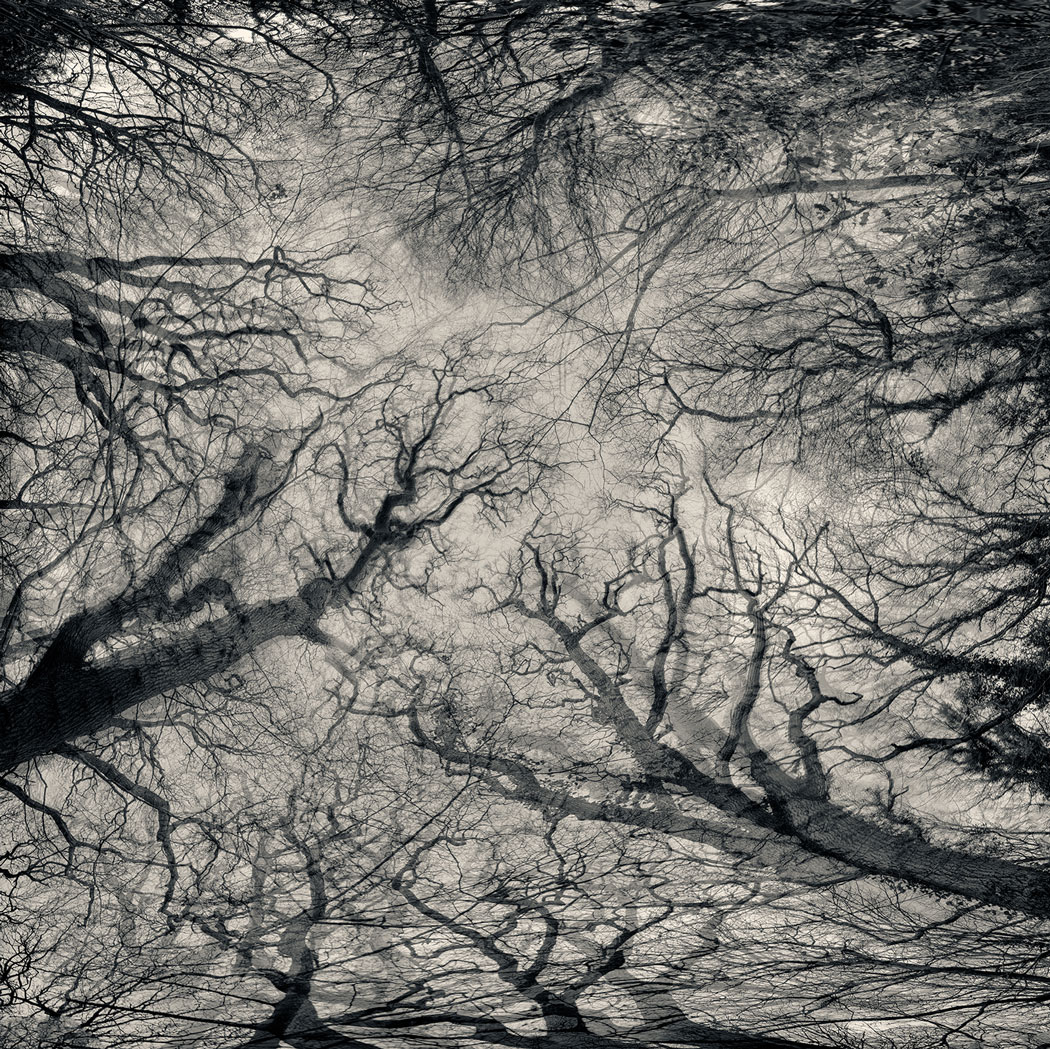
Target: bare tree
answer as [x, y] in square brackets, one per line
[636, 636]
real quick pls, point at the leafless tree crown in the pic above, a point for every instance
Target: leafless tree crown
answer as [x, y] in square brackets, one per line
[524, 524]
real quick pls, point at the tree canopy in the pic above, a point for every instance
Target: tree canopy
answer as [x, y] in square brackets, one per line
[524, 524]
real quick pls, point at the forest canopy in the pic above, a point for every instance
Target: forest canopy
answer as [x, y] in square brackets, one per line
[524, 524]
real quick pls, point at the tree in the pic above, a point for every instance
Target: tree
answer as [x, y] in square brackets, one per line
[549, 551]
